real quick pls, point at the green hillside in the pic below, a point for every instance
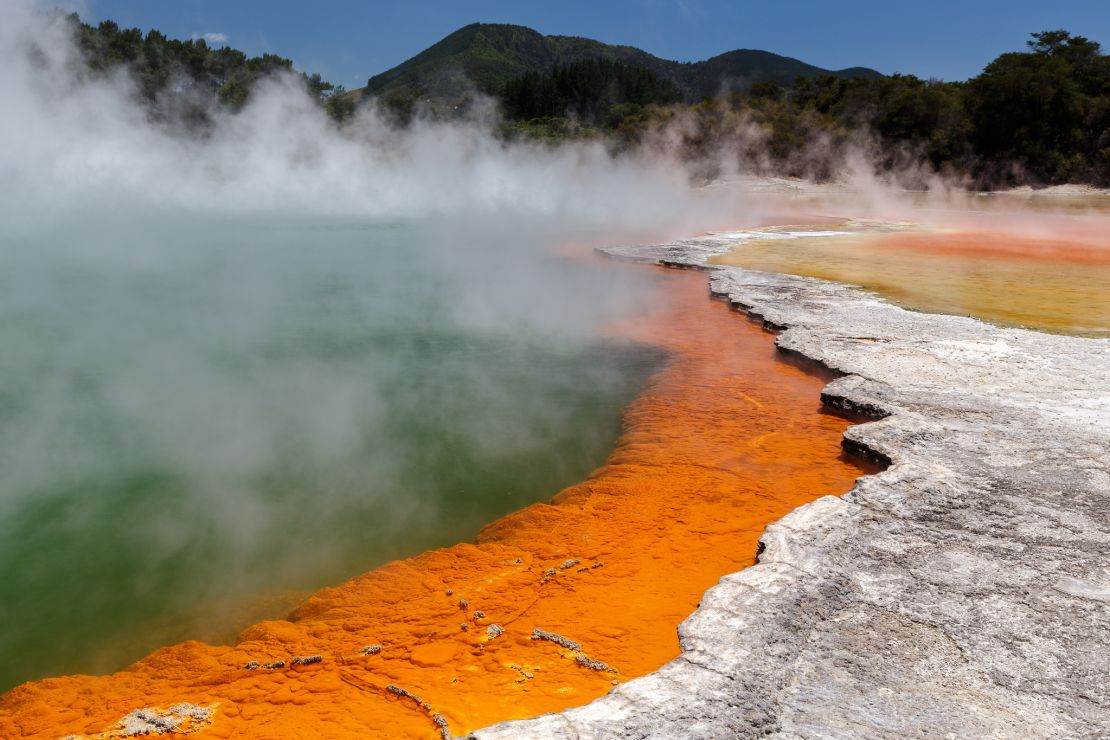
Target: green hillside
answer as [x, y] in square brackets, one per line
[742, 68]
[488, 55]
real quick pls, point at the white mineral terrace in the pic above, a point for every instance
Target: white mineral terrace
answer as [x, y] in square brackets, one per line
[963, 592]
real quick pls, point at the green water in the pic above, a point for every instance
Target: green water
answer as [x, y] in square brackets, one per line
[201, 422]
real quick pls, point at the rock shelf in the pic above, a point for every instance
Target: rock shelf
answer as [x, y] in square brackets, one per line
[962, 592]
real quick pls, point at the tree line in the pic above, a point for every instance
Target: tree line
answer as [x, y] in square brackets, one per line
[587, 90]
[181, 80]
[1041, 116]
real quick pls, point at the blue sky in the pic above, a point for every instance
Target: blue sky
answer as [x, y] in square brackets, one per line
[348, 41]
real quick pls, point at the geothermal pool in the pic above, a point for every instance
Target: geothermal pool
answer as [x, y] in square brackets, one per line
[202, 423]
[725, 438]
[1048, 273]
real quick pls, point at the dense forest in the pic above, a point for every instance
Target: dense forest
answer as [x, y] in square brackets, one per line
[1038, 117]
[587, 90]
[489, 55]
[179, 81]
[1041, 116]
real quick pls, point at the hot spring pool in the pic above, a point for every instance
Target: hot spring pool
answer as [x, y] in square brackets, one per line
[202, 422]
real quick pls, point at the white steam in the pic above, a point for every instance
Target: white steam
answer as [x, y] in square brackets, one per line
[71, 140]
[240, 361]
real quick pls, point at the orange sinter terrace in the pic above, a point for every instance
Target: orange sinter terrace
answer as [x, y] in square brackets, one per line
[552, 605]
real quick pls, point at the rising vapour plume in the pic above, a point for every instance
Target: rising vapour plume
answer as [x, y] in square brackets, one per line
[253, 359]
[75, 137]
[271, 355]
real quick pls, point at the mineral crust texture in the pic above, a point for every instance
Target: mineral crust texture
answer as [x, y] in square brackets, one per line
[962, 592]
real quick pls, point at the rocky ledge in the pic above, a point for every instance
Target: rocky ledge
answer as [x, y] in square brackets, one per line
[962, 592]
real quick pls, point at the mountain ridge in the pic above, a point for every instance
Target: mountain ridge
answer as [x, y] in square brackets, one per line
[484, 56]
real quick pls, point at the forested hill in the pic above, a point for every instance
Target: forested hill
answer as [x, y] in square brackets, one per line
[489, 55]
[183, 81]
[1039, 116]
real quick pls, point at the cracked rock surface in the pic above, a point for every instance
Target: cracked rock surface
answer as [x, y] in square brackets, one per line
[963, 592]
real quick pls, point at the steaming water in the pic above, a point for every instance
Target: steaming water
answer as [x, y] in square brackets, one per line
[201, 421]
[244, 362]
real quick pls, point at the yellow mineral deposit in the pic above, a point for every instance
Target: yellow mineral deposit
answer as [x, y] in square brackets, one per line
[1051, 283]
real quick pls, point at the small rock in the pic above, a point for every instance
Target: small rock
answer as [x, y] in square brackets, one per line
[538, 634]
[306, 659]
[596, 665]
[395, 689]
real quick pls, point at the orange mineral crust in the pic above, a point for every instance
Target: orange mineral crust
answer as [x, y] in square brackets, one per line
[549, 609]
[984, 243]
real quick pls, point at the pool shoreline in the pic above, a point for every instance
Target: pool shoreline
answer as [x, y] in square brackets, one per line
[908, 604]
[548, 561]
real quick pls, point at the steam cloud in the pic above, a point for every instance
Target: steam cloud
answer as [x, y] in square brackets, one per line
[80, 141]
[236, 350]
[212, 37]
[204, 320]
